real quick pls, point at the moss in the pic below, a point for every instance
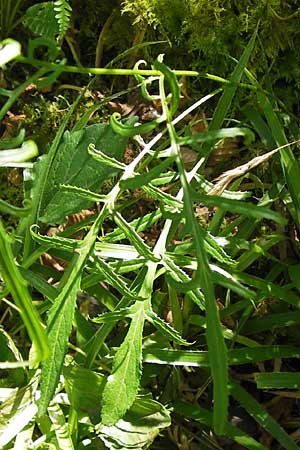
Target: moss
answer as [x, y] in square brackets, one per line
[204, 34]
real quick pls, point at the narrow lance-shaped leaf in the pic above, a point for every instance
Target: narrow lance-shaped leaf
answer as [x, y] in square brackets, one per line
[262, 416]
[239, 207]
[278, 380]
[61, 315]
[134, 238]
[58, 328]
[123, 383]
[165, 328]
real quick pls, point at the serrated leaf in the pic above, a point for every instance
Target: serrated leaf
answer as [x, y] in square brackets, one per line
[40, 19]
[138, 429]
[142, 248]
[57, 242]
[111, 277]
[114, 316]
[165, 328]
[72, 164]
[122, 385]
[58, 329]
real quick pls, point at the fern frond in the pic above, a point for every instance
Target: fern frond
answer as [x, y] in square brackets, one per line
[63, 12]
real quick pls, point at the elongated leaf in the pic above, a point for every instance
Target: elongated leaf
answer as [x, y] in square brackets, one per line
[222, 133]
[57, 242]
[269, 289]
[262, 416]
[229, 90]
[114, 316]
[165, 328]
[115, 280]
[123, 383]
[140, 224]
[141, 179]
[107, 160]
[239, 207]
[18, 289]
[204, 416]
[278, 380]
[142, 248]
[84, 193]
[272, 321]
[6, 208]
[239, 356]
[61, 315]
[290, 165]
[260, 126]
[58, 329]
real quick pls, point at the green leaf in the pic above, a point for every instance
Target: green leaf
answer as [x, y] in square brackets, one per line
[40, 19]
[129, 231]
[271, 321]
[57, 242]
[28, 150]
[239, 207]
[170, 77]
[138, 428]
[19, 291]
[262, 416]
[222, 133]
[72, 164]
[244, 355]
[58, 329]
[230, 89]
[127, 130]
[115, 280]
[204, 416]
[123, 382]
[12, 142]
[84, 388]
[165, 328]
[277, 380]
[6, 208]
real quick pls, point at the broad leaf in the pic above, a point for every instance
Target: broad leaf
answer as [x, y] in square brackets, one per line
[84, 388]
[138, 429]
[73, 165]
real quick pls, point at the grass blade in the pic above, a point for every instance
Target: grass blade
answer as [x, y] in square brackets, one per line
[17, 286]
[244, 355]
[261, 416]
[278, 380]
[203, 416]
